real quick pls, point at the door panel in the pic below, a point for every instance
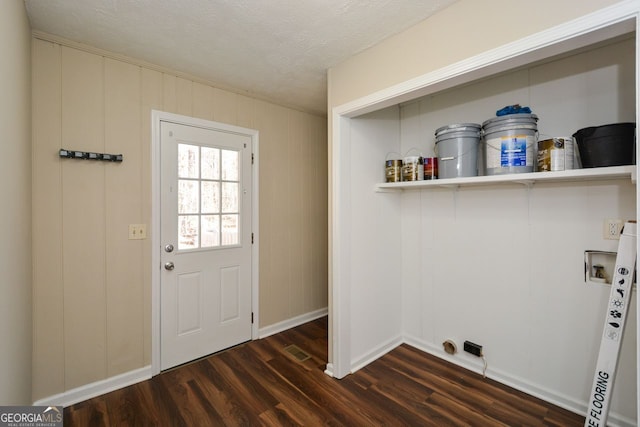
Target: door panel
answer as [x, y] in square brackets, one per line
[189, 289]
[206, 239]
[230, 293]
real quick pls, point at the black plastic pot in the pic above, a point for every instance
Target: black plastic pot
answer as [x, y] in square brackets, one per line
[608, 145]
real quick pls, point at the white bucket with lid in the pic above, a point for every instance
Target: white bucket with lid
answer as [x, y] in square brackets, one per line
[510, 143]
[457, 150]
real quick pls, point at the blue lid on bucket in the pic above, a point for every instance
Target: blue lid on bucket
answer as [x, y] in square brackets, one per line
[513, 109]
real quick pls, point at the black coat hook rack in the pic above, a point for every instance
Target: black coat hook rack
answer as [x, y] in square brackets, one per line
[87, 155]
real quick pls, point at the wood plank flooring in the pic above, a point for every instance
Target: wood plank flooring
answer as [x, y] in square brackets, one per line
[258, 384]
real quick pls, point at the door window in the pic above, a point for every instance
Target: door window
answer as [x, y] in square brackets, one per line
[208, 197]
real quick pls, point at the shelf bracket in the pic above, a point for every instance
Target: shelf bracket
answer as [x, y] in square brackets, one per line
[451, 186]
[526, 182]
[388, 190]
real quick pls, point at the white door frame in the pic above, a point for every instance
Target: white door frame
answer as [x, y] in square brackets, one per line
[156, 247]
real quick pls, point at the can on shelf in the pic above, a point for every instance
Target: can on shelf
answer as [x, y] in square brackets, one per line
[556, 154]
[430, 167]
[393, 170]
[412, 168]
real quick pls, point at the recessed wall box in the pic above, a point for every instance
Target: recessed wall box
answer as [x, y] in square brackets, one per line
[599, 266]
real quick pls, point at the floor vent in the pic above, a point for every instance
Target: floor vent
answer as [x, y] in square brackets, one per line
[297, 353]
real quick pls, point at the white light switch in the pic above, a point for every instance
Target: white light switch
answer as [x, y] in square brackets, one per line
[137, 231]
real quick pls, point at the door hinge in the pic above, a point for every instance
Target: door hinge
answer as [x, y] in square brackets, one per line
[252, 238]
[252, 317]
[251, 158]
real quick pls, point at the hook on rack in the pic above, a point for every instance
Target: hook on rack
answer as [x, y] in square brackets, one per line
[87, 155]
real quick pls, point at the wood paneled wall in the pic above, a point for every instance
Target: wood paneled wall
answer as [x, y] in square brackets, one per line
[15, 215]
[92, 286]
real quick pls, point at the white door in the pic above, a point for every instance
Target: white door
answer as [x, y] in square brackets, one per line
[205, 283]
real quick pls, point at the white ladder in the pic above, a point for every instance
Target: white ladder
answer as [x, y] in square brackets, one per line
[615, 319]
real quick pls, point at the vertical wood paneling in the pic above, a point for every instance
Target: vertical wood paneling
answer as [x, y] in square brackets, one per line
[16, 302]
[225, 106]
[245, 111]
[169, 96]
[268, 156]
[275, 255]
[294, 212]
[150, 99]
[310, 214]
[202, 101]
[83, 203]
[321, 227]
[123, 184]
[92, 286]
[48, 294]
[318, 205]
[184, 98]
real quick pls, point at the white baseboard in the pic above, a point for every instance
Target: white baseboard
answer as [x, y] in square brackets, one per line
[438, 352]
[377, 353]
[97, 388]
[291, 323]
[329, 370]
[560, 400]
[107, 385]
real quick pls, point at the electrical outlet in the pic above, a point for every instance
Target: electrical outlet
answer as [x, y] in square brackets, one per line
[612, 229]
[137, 231]
[473, 348]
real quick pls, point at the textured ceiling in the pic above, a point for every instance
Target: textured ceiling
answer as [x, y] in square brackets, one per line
[275, 49]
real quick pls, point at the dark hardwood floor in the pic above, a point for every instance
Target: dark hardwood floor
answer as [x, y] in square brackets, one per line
[257, 383]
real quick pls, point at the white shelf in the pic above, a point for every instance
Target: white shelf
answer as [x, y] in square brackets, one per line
[588, 174]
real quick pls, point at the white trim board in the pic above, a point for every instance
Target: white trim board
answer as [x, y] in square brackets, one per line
[603, 24]
[156, 118]
[380, 351]
[292, 323]
[97, 388]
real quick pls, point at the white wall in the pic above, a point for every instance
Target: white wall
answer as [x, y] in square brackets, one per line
[374, 273]
[567, 94]
[503, 265]
[466, 28]
[15, 196]
[456, 244]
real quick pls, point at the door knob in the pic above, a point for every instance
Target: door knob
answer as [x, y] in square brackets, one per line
[168, 265]
[168, 248]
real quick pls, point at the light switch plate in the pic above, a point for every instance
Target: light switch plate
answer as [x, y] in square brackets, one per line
[137, 231]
